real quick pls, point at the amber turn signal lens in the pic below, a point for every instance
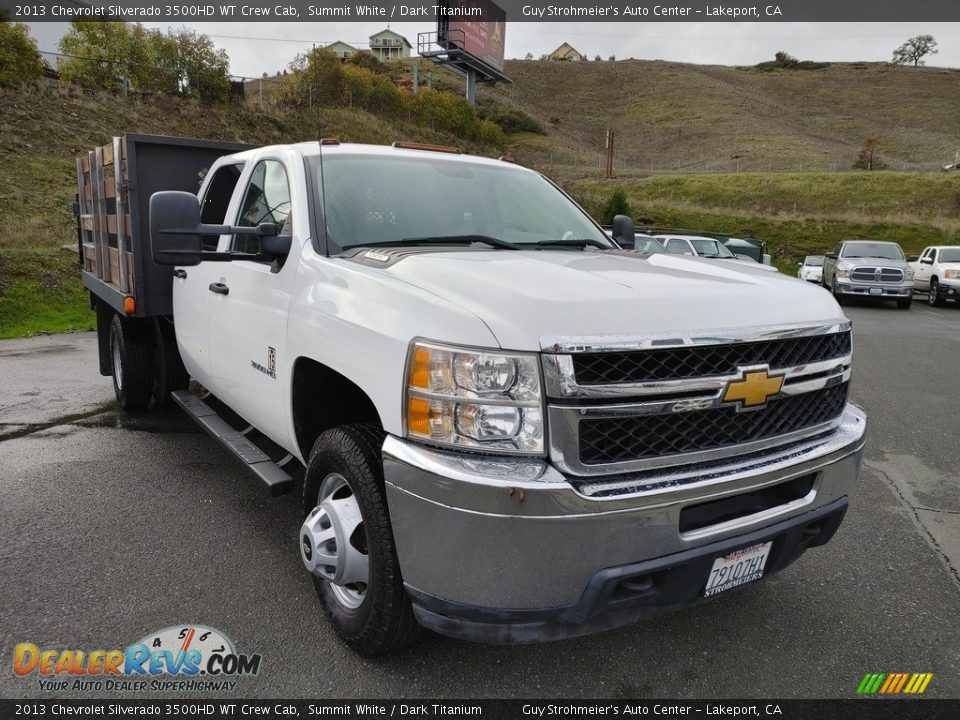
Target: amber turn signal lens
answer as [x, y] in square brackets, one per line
[129, 305]
[418, 415]
[420, 369]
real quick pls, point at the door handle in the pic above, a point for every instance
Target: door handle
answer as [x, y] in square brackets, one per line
[180, 273]
[219, 288]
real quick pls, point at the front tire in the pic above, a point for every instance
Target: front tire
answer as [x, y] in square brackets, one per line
[373, 617]
[904, 304]
[836, 296]
[131, 363]
[934, 298]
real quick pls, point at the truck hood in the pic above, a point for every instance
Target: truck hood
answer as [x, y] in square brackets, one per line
[527, 297]
[877, 262]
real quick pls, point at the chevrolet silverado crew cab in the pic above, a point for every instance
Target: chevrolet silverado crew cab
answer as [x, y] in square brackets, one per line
[870, 269]
[508, 428]
[937, 271]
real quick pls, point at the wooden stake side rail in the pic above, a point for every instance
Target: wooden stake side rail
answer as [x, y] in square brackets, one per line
[104, 222]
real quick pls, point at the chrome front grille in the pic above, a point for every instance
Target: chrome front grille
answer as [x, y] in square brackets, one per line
[612, 440]
[634, 405]
[694, 362]
[877, 274]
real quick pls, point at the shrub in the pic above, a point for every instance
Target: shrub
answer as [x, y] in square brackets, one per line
[20, 63]
[616, 205]
[510, 119]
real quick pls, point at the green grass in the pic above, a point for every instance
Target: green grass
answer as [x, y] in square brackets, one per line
[40, 292]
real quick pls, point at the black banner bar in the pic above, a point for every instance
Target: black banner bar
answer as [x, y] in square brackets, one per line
[216, 708]
[516, 11]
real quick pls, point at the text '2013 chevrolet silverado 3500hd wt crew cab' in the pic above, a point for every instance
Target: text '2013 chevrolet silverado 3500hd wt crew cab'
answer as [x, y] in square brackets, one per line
[511, 429]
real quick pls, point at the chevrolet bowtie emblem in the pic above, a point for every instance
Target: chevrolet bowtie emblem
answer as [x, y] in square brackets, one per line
[753, 389]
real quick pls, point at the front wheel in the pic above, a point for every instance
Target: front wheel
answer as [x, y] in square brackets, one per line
[346, 542]
[934, 297]
[836, 296]
[904, 304]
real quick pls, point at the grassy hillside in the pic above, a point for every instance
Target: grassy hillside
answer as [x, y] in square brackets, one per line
[700, 117]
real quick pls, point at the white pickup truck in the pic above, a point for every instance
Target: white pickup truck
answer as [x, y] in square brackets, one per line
[937, 271]
[509, 429]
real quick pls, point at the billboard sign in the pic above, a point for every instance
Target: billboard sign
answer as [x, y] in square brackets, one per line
[481, 39]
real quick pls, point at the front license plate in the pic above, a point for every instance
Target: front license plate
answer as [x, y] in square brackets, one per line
[737, 568]
[876, 291]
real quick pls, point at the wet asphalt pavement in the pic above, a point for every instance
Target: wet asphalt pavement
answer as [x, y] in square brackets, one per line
[116, 525]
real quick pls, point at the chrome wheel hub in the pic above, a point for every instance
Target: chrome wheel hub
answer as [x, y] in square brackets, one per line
[117, 364]
[333, 542]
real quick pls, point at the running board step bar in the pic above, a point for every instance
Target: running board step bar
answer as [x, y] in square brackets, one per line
[253, 458]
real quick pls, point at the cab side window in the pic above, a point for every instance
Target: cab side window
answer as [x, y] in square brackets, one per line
[676, 246]
[266, 200]
[213, 209]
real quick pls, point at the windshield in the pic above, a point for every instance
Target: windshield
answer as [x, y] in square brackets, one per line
[706, 247]
[650, 245]
[814, 261]
[950, 255]
[375, 200]
[888, 251]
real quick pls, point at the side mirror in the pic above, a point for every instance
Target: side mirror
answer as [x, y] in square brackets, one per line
[275, 245]
[623, 231]
[799, 264]
[174, 225]
[832, 256]
[927, 260]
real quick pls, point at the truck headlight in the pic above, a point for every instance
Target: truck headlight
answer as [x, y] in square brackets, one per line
[908, 273]
[843, 270]
[951, 274]
[482, 400]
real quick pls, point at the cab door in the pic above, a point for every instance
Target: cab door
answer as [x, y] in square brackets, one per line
[249, 303]
[191, 298]
[924, 270]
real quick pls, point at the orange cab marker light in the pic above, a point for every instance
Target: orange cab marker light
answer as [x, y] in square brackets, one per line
[129, 305]
[507, 158]
[426, 146]
[420, 369]
[329, 141]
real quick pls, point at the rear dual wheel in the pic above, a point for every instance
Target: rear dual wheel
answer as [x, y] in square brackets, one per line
[145, 362]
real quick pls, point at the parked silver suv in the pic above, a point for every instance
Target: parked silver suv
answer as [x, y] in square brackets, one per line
[869, 268]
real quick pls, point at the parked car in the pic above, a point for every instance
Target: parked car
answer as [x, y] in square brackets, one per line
[641, 242]
[937, 271]
[509, 429]
[706, 247]
[811, 269]
[869, 269]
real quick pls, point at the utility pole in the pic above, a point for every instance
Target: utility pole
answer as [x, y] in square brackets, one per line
[609, 146]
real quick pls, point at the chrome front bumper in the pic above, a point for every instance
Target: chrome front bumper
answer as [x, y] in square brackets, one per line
[516, 536]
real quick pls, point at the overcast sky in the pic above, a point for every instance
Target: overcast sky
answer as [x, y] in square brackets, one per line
[255, 48]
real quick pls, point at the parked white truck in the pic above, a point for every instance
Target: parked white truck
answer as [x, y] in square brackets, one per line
[509, 428]
[937, 271]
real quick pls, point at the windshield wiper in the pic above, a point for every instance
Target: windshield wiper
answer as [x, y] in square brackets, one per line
[573, 242]
[440, 240]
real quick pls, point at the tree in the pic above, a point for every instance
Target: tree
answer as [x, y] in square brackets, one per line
[914, 50]
[97, 54]
[613, 58]
[20, 63]
[597, 58]
[528, 56]
[616, 205]
[785, 60]
[869, 159]
[202, 68]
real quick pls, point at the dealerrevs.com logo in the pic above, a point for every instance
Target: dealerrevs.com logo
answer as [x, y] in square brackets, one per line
[185, 657]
